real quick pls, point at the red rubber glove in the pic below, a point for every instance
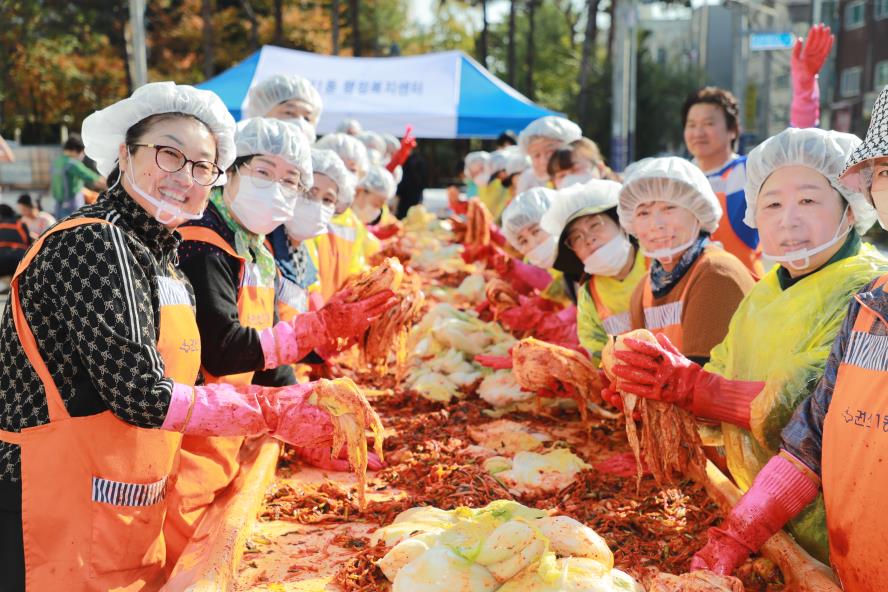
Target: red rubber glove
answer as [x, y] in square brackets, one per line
[408, 143]
[780, 491]
[659, 372]
[524, 277]
[385, 232]
[321, 457]
[321, 331]
[662, 373]
[808, 57]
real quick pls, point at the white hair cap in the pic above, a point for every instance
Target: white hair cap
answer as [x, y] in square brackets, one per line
[350, 126]
[273, 91]
[552, 127]
[379, 180]
[475, 158]
[104, 131]
[328, 163]
[392, 144]
[273, 137]
[670, 179]
[584, 199]
[527, 208]
[821, 150]
[348, 148]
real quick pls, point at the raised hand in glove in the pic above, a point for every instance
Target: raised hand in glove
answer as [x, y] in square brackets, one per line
[322, 330]
[808, 57]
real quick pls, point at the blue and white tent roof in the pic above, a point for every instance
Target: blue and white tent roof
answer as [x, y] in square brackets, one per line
[441, 95]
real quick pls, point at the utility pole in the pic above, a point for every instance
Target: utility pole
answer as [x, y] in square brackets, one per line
[623, 84]
[138, 56]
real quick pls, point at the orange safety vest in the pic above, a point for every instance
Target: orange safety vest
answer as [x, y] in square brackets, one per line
[209, 464]
[93, 487]
[666, 318]
[854, 457]
[614, 324]
[724, 234]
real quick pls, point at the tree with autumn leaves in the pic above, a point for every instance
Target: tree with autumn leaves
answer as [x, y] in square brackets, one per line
[65, 59]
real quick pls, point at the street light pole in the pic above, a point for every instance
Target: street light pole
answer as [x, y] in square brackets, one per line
[138, 58]
[623, 84]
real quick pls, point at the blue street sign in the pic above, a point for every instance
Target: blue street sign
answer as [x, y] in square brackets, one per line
[770, 41]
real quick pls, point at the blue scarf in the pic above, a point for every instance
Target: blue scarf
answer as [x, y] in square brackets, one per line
[662, 281]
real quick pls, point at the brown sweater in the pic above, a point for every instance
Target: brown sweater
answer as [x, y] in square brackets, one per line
[718, 282]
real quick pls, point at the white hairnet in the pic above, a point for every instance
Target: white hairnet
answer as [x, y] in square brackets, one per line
[347, 147]
[474, 158]
[516, 161]
[379, 180]
[327, 162]
[392, 144]
[273, 137]
[273, 91]
[586, 199]
[671, 179]
[104, 131]
[550, 126]
[351, 127]
[821, 150]
[375, 145]
[527, 208]
[497, 161]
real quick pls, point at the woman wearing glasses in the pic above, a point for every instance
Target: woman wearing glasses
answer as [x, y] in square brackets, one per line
[591, 245]
[100, 351]
[233, 275]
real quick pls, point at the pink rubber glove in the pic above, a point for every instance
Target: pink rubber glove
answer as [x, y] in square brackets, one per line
[524, 277]
[662, 373]
[321, 457]
[807, 60]
[225, 410]
[320, 331]
[780, 491]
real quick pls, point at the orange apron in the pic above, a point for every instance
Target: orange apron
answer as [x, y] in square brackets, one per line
[614, 324]
[93, 487]
[209, 464]
[854, 456]
[666, 318]
[751, 258]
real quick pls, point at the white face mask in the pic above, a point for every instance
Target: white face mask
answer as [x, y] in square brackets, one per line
[166, 213]
[880, 201]
[576, 179]
[366, 213]
[543, 255]
[666, 255]
[803, 256]
[610, 258]
[261, 209]
[310, 218]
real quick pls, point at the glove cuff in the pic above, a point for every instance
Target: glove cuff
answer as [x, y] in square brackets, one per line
[780, 491]
[730, 401]
[289, 342]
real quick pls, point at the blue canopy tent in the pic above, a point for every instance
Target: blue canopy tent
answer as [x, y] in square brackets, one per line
[441, 95]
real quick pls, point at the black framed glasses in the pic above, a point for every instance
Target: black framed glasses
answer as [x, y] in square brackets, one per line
[172, 160]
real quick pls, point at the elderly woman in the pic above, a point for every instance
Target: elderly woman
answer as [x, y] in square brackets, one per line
[779, 339]
[100, 352]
